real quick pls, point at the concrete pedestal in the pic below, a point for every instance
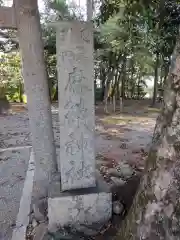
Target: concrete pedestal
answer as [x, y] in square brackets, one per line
[83, 207]
[87, 209]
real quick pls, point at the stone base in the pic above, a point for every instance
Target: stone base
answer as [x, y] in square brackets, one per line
[84, 207]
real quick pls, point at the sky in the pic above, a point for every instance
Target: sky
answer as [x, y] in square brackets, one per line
[81, 3]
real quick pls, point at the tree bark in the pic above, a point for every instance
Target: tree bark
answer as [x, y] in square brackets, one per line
[55, 97]
[115, 85]
[123, 79]
[36, 88]
[103, 81]
[138, 87]
[20, 91]
[155, 80]
[155, 212]
[107, 88]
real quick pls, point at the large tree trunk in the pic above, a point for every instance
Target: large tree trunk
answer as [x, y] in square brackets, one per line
[155, 213]
[36, 88]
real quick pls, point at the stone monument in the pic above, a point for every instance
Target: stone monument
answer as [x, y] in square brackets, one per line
[80, 200]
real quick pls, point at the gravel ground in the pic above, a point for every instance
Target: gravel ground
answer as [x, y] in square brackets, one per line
[13, 167]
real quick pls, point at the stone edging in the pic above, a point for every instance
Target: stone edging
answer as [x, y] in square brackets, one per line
[22, 221]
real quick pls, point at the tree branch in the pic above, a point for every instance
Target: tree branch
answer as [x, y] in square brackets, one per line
[7, 18]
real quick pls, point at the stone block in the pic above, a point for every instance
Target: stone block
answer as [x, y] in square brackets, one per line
[80, 207]
[78, 210]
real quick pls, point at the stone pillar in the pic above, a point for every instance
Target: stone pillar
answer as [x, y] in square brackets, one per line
[88, 203]
[89, 7]
[36, 88]
[76, 105]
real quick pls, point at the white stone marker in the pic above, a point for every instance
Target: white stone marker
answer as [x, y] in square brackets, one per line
[76, 104]
[86, 202]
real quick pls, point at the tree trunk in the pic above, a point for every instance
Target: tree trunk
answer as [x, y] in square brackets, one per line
[138, 88]
[107, 88]
[20, 91]
[123, 79]
[55, 98]
[36, 88]
[155, 80]
[123, 87]
[118, 85]
[103, 80]
[155, 212]
[115, 88]
[132, 80]
[114, 103]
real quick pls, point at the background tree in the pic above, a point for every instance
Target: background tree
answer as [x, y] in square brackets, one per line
[143, 35]
[55, 11]
[155, 211]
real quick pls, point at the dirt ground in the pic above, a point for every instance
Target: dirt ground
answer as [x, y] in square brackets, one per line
[122, 140]
[119, 136]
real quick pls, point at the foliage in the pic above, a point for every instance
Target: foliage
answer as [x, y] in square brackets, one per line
[133, 41]
[140, 34]
[55, 10]
[10, 76]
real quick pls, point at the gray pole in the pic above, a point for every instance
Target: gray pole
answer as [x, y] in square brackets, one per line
[89, 7]
[36, 88]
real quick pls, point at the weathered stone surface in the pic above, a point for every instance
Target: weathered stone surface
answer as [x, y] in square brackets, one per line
[55, 186]
[71, 233]
[40, 231]
[76, 104]
[114, 172]
[118, 181]
[73, 195]
[118, 207]
[125, 170]
[40, 210]
[75, 210]
[90, 230]
[13, 169]
[37, 91]
[34, 223]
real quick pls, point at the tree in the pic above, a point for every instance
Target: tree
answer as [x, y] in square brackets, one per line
[143, 31]
[155, 211]
[55, 10]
